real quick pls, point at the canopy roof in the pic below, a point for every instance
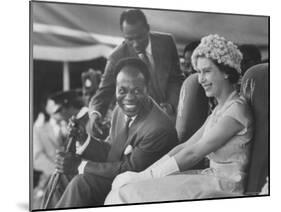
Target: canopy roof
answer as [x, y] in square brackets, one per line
[74, 32]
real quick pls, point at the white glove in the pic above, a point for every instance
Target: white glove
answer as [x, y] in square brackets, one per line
[130, 177]
[163, 167]
[160, 161]
[168, 167]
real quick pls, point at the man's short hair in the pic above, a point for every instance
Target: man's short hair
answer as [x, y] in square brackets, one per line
[133, 62]
[133, 16]
[190, 47]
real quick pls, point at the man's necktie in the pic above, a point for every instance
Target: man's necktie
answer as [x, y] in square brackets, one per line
[154, 87]
[119, 144]
[127, 126]
[143, 56]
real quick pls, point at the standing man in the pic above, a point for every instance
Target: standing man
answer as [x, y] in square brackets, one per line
[140, 134]
[157, 50]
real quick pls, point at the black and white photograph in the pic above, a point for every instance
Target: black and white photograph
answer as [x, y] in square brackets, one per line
[137, 105]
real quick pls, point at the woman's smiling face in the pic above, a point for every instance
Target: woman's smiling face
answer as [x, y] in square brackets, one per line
[210, 77]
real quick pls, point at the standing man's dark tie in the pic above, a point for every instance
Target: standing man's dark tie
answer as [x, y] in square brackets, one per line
[143, 56]
[154, 89]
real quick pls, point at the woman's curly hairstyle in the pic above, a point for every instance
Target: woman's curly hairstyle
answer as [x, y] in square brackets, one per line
[225, 54]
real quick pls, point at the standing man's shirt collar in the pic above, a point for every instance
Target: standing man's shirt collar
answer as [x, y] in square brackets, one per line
[148, 49]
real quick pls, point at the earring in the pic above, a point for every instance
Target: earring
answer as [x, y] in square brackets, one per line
[226, 77]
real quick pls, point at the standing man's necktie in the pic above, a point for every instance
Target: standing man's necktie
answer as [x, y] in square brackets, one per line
[154, 88]
[143, 56]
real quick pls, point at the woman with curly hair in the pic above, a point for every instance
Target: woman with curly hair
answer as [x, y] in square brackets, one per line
[224, 138]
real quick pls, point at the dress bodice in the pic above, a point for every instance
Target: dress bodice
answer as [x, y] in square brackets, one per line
[230, 160]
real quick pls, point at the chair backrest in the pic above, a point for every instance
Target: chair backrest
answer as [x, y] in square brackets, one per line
[192, 108]
[255, 87]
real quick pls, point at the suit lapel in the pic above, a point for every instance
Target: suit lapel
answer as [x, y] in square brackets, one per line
[156, 52]
[158, 57]
[119, 141]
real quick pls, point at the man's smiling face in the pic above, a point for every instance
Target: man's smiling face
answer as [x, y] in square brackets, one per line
[136, 35]
[131, 90]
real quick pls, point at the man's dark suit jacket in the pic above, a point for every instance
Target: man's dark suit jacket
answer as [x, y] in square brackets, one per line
[151, 135]
[167, 71]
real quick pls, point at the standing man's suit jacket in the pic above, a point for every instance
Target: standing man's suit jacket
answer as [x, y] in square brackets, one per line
[151, 135]
[167, 71]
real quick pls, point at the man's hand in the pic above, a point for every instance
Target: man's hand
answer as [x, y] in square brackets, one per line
[67, 162]
[95, 124]
[168, 108]
[76, 130]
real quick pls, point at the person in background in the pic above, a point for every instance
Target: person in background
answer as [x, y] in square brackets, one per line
[157, 50]
[140, 134]
[224, 138]
[251, 56]
[90, 83]
[49, 134]
[186, 65]
[68, 103]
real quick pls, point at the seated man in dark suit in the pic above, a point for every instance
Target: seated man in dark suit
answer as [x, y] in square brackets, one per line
[157, 50]
[140, 134]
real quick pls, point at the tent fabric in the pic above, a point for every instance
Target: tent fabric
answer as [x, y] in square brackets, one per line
[79, 25]
[74, 54]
